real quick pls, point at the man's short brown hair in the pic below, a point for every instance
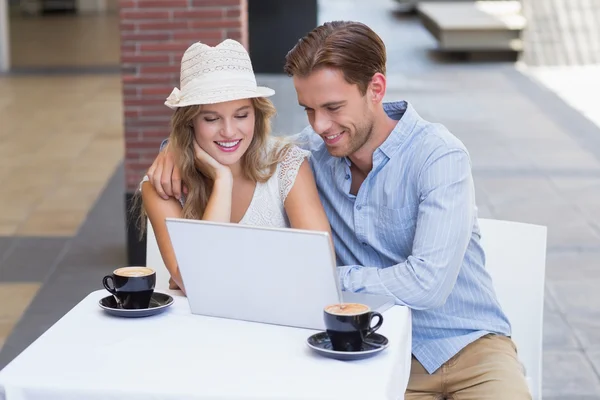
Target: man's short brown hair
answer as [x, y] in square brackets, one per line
[351, 47]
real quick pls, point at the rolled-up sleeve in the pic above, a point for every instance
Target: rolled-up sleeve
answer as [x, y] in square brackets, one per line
[444, 227]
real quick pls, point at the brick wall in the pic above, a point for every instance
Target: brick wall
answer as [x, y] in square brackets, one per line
[154, 35]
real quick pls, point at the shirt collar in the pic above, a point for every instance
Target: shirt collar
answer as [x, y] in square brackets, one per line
[407, 118]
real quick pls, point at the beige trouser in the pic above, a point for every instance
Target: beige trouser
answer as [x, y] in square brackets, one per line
[487, 369]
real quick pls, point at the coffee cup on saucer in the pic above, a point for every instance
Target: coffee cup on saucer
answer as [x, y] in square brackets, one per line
[349, 324]
[132, 287]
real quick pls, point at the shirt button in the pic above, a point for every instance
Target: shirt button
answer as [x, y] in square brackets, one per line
[358, 207]
[347, 176]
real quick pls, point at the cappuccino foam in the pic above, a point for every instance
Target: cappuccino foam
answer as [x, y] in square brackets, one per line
[134, 271]
[347, 309]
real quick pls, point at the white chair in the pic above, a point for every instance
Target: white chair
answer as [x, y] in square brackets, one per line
[154, 260]
[516, 260]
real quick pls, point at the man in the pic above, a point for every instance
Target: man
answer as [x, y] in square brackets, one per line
[399, 195]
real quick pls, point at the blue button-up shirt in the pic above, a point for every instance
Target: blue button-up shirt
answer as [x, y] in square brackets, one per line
[411, 232]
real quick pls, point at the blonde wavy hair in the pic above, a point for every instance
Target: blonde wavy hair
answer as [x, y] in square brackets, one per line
[259, 162]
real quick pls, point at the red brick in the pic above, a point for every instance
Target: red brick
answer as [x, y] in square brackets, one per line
[151, 112]
[162, 90]
[151, 131]
[144, 147]
[233, 13]
[218, 3]
[224, 23]
[141, 102]
[128, 47]
[149, 80]
[126, 26]
[143, 161]
[132, 184]
[133, 174]
[158, 135]
[199, 36]
[198, 14]
[234, 34]
[134, 151]
[159, 69]
[171, 4]
[124, 4]
[130, 91]
[143, 59]
[132, 114]
[138, 166]
[135, 15]
[158, 99]
[145, 37]
[160, 26]
[141, 123]
[130, 154]
[178, 47]
[140, 146]
[164, 120]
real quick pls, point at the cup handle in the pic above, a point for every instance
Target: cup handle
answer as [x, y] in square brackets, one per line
[377, 325]
[111, 287]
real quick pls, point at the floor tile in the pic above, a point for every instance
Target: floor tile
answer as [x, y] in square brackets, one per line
[5, 329]
[16, 209]
[595, 357]
[6, 246]
[572, 266]
[70, 196]
[53, 223]
[15, 298]
[567, 374]
[549, 301]
[32, 259]
[513, 190]
[64, 40]
[557, 333]
[577, 298]
[96, 251]
[77, 149]
[8, 228]
[586, 329]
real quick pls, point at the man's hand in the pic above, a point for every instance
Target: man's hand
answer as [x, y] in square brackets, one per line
[165, 176]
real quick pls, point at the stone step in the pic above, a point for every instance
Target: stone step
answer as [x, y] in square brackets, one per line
[474, 26]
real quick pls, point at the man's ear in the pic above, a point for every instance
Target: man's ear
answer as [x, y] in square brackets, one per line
[376, 89]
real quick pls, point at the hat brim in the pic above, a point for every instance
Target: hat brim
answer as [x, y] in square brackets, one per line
[220, 96]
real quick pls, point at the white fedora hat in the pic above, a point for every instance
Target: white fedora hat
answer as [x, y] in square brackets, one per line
[215, 74]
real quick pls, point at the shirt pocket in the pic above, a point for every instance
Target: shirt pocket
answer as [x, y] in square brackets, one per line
[397, 228]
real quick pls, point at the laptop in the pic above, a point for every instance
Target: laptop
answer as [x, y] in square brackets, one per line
[279, 276]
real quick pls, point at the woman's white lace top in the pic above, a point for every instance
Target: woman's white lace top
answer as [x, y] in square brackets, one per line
[267, 205]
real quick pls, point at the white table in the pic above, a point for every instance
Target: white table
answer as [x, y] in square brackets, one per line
[177, 355]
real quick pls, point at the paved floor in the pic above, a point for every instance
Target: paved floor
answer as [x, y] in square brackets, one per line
[59, 41]
[562, 32]
[71, 130]
[535, 159]
[578, 86]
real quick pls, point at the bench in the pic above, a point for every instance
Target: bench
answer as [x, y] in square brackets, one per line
[477, 26]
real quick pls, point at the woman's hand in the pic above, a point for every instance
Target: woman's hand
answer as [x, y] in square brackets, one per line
[209, 166]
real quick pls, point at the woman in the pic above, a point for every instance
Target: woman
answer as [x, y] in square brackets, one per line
[233, 170]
